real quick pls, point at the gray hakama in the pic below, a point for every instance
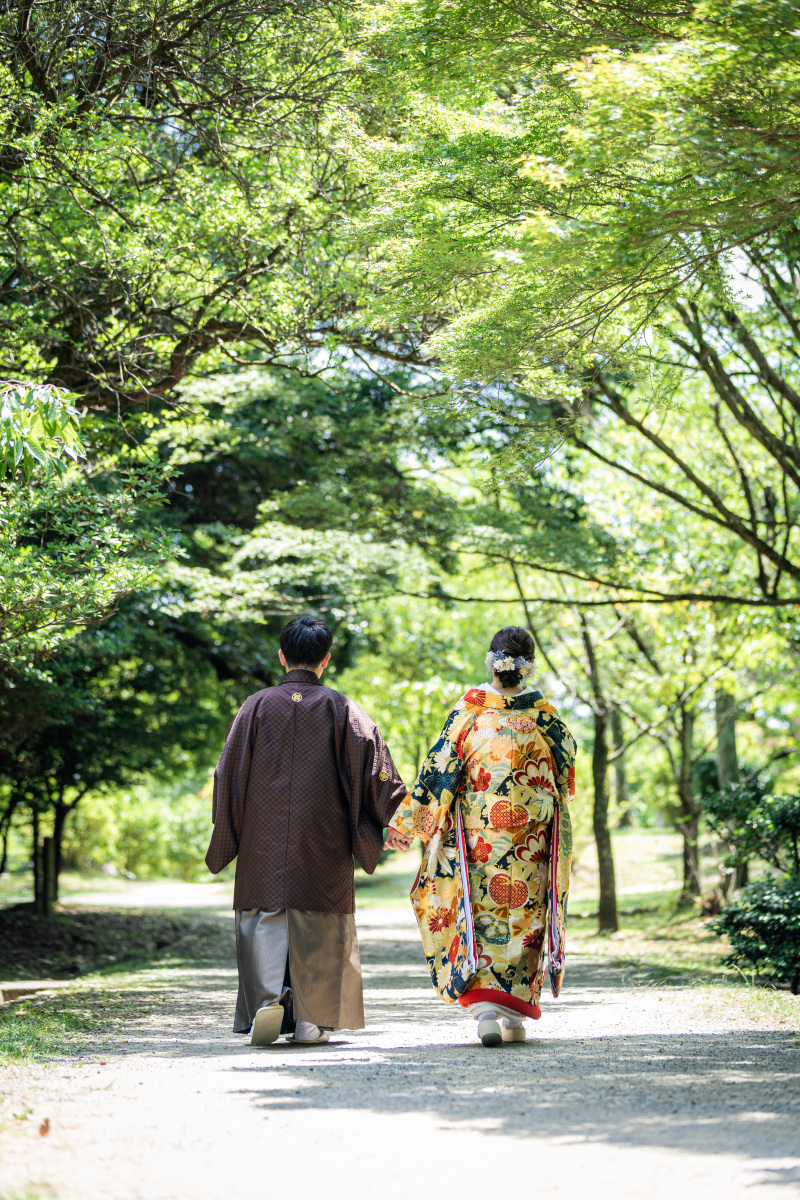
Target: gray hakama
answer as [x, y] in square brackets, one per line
[314, 954]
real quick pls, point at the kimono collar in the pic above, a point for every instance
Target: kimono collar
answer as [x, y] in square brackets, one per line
[482, 698]
[300, 675]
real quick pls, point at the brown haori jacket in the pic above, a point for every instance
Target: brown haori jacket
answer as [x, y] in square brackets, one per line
[305, 782]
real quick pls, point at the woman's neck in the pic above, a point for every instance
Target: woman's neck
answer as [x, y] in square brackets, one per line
[498, 687]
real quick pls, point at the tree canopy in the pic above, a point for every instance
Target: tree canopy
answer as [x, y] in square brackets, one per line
[168, 191]
[424, 316]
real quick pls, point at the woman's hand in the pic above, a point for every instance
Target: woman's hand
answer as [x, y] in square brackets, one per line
[396, 841]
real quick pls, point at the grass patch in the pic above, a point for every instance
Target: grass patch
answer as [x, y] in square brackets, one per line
[83, 940]
[34, 1191]
[47, 1027]
[95, 1014]
[764, 1007]
[675, 948]
[662, 942]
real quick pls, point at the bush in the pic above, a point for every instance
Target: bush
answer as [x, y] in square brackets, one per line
[146, 832]
[763, 922]
[757, 824]
[763, 925]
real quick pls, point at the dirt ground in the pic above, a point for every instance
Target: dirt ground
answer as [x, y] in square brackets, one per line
[623, 1091]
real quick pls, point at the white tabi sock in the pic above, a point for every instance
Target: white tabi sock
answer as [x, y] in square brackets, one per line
[482, 1012]
[304, 1031]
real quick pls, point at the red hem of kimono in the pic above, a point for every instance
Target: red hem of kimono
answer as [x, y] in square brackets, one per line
[495, 996]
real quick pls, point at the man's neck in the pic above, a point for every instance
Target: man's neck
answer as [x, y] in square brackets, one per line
[305, 667]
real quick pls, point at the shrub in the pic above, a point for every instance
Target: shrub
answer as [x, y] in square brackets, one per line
[763, 922]
[763, 925]
[147, 832]
[757, 824]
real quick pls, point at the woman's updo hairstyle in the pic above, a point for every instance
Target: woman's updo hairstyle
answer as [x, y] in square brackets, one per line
[516, 643]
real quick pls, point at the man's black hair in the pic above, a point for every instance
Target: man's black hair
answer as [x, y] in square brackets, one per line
[306, 641]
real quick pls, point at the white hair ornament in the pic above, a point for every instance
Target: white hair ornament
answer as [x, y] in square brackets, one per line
[499, 661]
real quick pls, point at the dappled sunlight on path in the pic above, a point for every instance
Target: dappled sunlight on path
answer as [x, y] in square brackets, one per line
[625, 1091]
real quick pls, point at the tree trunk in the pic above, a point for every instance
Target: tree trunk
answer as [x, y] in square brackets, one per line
[48, 876]
[609, 919]
[36, 858]
[727, 760]
[728, 767]
[60, 819]
[623, 812]
[690, 813]
[5, 824]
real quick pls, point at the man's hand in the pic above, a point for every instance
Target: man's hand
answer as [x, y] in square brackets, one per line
[396, 841]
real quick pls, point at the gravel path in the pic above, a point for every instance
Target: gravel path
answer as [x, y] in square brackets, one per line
[625, 1091]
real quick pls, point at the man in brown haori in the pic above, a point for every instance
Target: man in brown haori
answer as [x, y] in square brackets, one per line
[304, 784]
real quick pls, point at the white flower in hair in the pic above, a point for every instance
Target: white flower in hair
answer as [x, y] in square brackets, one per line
[501, 660]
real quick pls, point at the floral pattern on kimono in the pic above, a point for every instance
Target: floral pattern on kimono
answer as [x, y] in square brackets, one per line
[506, 766]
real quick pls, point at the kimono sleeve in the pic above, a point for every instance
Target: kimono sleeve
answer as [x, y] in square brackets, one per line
[230, 787]
[437, 783]
[564, 749]
[564, 752]
[371, 783]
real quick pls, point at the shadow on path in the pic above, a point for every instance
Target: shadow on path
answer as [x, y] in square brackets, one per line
[709, 1093]
[738, 1093]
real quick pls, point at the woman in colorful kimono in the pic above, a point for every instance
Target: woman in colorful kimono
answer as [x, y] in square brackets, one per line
[490, 804]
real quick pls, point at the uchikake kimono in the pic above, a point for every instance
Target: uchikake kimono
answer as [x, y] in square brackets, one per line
[491, 805]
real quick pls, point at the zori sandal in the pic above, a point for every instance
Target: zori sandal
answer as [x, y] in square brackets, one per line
[267, 1025]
